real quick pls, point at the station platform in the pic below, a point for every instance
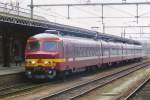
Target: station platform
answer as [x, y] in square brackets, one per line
[11, 70]
[11, 75]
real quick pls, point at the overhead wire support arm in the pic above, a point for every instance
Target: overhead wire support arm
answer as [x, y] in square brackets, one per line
[128, 26]
[94, 4]
[88, 4]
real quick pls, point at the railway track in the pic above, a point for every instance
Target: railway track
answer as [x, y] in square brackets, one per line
[26, 88]
[136, 94]
[23, 87]
[81, 89]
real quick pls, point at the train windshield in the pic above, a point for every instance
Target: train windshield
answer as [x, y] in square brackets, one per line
[33, 46]
[49, 46]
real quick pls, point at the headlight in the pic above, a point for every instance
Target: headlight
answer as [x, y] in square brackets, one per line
[49, 72]
[32, 62]
[28, 72]
[46, 62]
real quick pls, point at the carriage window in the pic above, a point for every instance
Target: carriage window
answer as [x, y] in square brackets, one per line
[49, 46]
[33, 46]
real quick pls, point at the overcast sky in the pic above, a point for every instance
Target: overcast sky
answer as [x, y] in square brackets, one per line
[90, 16]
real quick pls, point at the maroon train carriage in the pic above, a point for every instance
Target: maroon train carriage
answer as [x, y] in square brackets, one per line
[48, 54]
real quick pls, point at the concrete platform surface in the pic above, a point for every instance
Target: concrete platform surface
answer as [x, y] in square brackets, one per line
[11, 70]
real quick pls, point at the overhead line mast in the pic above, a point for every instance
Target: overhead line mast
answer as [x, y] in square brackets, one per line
[88, 4]
[136, 4]
[32, 7]
[92, 4]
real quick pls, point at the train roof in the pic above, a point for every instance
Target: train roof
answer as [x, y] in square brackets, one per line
[108, 37]
[45, 35]
[95, 35]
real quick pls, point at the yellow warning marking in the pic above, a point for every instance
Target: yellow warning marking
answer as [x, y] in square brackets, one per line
[43, 62]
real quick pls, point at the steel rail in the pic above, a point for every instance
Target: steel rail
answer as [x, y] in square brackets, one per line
[19, 88]
[136, 89]
[103, 81]
[120, 76]
[12, 86]
[14, 89]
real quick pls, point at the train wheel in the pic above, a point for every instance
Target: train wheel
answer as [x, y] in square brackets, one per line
[62, 75]
[109, 64]
[103, 66]
[99, 66]
[87, 69]
[93, 68]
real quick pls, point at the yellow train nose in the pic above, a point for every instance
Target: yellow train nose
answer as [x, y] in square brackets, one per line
[40, 62]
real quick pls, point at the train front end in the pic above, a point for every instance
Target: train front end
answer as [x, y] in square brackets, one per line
[42, 56]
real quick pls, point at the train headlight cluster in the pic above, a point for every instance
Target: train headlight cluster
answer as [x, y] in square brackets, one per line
[49, 63]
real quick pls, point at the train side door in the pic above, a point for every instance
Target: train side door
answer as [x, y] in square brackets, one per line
[100, 53]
